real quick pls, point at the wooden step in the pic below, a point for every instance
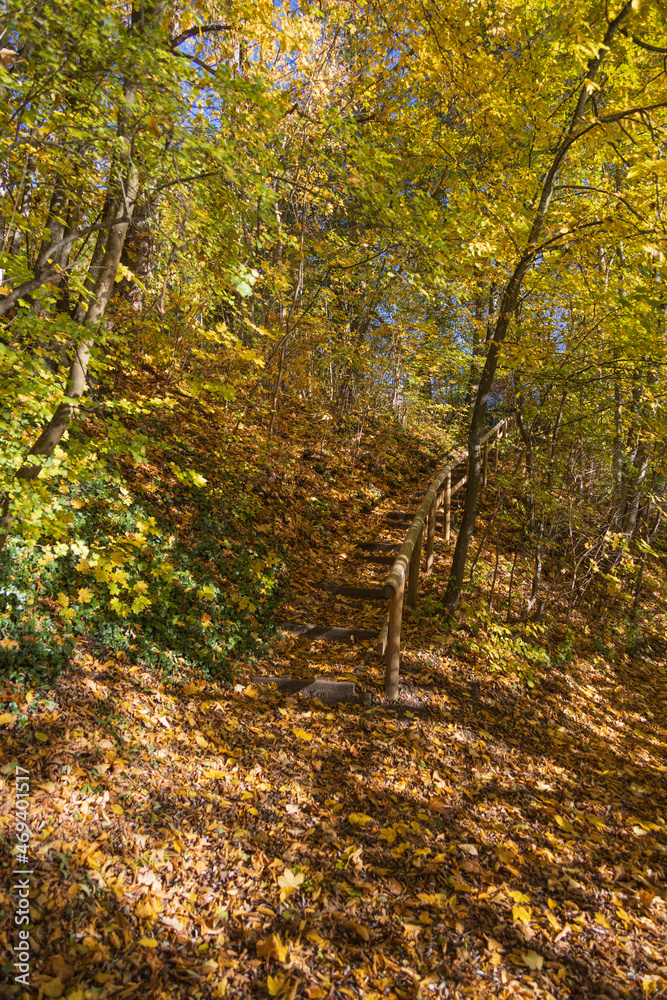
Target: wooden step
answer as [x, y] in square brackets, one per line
[331, 633]
[379, 546]
[364, 593]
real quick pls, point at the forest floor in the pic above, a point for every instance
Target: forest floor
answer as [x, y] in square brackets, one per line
[479, 837]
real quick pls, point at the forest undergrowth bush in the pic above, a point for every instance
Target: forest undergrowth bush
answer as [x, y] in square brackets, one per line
[123, 581]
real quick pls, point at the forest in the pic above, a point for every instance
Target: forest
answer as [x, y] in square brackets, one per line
[333, 494]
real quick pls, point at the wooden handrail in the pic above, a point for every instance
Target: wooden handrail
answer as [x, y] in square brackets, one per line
[407, 562]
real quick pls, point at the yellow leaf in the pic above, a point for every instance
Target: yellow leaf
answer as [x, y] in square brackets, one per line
[290, 880]
[518, 897]
[52, 987]
[42, 737]
[521, 914]
[564, 824]
[276, 984]
[85, 595]
[190, 689]
[251, 692]
[302, 734]
[272, 947]
[360, 819]
[117, 809]
[151, 122]
[532, 960]
[6, 718]
[388, 834]
[506, 856]
[9, 644]
[148, 942]
[315, 993]
[148, 908]
[201, 742]
[601, 920]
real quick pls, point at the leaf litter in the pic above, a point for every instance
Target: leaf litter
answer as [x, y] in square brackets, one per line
[476, 838]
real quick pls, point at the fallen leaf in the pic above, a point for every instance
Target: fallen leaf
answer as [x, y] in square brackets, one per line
[521, 914]
[359, 819]
[272, 947]
[532, 959]
[52, 987]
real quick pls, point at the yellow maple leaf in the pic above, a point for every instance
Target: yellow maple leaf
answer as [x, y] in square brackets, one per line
[6, 718]
[388, 834]
[601, 920]
[148, 942]
[564, 824]
[272, 947]
[289, 882]
[276, 984]
[302, 734]
[518, 897]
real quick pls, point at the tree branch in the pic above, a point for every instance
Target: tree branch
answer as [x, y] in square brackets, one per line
[201, 29]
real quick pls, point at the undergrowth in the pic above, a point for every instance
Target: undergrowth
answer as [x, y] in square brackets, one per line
[125, 581]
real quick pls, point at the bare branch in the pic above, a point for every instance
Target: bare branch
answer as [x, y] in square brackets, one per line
[200, 29]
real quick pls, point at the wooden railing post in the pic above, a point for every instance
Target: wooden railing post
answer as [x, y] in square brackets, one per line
[413, 582]
[485, 462]
[430, 534]
[447, 508]
[393, 661]
[496, 449]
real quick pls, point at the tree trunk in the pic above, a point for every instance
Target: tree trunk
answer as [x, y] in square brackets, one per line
[120, 202]
[508, 305]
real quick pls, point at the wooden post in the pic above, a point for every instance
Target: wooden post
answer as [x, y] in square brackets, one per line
[393, 662]
[413, 582]
[495, 451]
[381, 645]
[430, 535]
[485, 462]
[447, 508]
